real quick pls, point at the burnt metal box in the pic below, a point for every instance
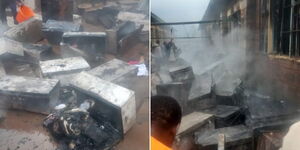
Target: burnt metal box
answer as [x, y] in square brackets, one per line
[236, 137]
[112, 102]
[116, 71]
[111, 41]
[37, 52]
[53, 30]
[228, 91]
[93, 43]
[31, 94]
[28, 31]
[10, 48]
[63, 66]
[181, 71]
[195, 121]
[226, 116]
[263, 111]
[200, 93]
[201, 87]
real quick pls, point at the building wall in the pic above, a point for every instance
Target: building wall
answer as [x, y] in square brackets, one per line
[287, 73]
[284, 71]
[275, 75]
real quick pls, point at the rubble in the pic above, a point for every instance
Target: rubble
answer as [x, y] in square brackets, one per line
[116, 71]
[10, 48]
[31, 94]
[64, 66]
[236, 137]
[194, 121]
[226, 116]
[28, 31]
[53, 30]
[110, 100]
[265, 112]
[78, 130]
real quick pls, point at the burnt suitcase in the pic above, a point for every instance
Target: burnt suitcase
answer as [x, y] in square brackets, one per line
[31, 94]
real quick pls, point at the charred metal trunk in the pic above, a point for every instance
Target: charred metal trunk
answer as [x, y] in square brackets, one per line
[53, 30]
[110, 100]
[31, 94]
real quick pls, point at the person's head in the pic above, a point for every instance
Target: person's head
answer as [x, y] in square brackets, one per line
[165, 118]
[19, 3]
[157, 42]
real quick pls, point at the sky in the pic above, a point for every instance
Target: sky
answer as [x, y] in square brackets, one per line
[180, 11]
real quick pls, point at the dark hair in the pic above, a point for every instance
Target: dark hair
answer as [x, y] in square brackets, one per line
[157, 42]
[165, 111]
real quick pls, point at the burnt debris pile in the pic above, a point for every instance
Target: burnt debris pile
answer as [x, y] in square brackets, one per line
[54, 66]
[215, 101]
